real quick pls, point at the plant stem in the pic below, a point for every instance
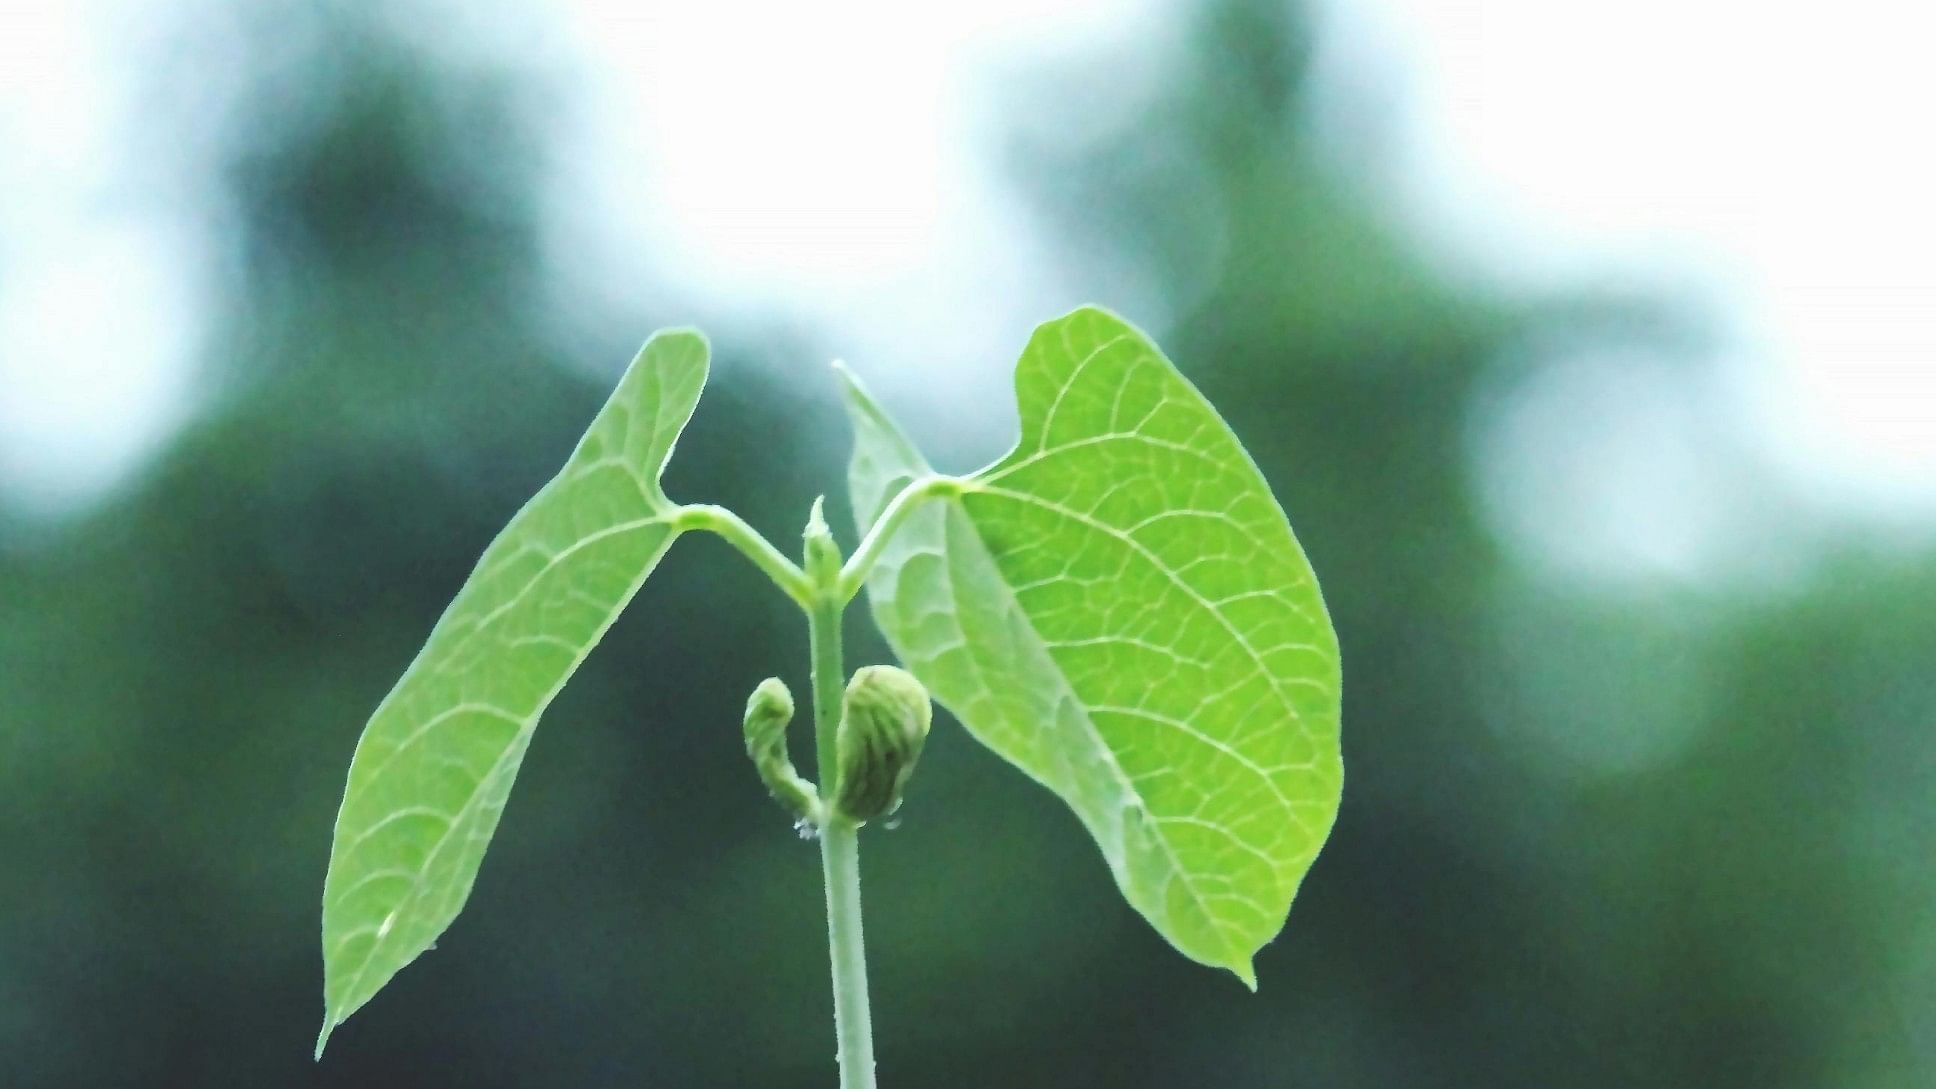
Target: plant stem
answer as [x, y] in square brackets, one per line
[823, 637]
[839, 839]
[853, 1021]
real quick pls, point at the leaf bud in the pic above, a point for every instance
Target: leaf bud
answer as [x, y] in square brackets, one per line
[768, 711]
[822, 554]
[884, 722]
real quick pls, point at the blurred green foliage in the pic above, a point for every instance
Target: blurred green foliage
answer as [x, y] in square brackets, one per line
[1593, 835]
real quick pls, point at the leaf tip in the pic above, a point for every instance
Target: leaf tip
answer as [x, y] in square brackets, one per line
[850, 388]
[863, 409]
[322, 1038]
[682, 332]
[1247, 972]
[1093, 312]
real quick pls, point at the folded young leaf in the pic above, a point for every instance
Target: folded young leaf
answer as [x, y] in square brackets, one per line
[435, 764]
[1119, 608]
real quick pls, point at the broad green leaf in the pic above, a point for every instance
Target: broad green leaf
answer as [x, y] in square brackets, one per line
[435, 764]
[1118, 607]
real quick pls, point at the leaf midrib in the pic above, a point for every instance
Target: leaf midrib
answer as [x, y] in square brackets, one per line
[504, 759]
[1124, 780]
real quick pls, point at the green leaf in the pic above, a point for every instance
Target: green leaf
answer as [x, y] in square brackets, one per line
[1119, 608]
[435, 764]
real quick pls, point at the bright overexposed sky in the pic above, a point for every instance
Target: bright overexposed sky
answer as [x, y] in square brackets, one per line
[1772, 157]
[1775, 154]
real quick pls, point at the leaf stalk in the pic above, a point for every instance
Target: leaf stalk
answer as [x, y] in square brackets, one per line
[733, 529]
[934, 486]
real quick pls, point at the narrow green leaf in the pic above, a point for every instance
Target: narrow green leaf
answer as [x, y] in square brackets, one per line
[435, 764]
[1119, 608]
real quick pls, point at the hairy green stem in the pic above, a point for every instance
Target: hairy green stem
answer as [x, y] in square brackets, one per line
[839, 838]
[715, 519]
[854, 575]
[853, 1021]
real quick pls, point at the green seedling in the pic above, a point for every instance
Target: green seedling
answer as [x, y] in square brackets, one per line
[1117, 607]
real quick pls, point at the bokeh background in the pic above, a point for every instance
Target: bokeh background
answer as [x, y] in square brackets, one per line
[1592, 349]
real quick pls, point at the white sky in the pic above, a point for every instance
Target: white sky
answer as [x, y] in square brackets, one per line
[1776, 157]
[96, 290]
